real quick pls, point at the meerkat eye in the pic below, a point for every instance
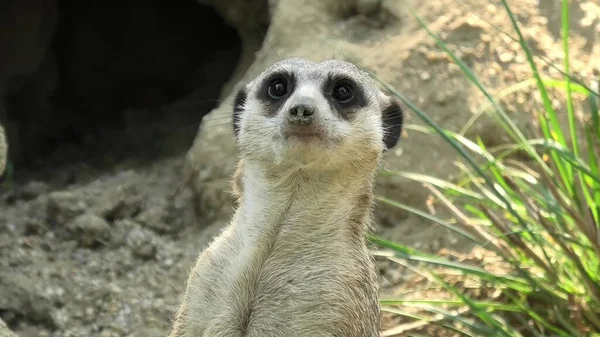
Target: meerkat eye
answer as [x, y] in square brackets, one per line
[342, 93]
[278, 89]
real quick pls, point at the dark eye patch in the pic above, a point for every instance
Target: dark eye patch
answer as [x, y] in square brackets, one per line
[270, 91]
[344, 95]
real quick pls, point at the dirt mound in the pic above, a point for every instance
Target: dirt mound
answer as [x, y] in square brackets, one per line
[87, 250]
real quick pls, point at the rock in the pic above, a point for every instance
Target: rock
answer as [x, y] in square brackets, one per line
[118, 204]
[466, 32]
[155, 218]
[19, 296]
[89, 229]
[63, 206]
[33, 189]
[36, 221]
[118, 233]
[506, 56]
[142, 243]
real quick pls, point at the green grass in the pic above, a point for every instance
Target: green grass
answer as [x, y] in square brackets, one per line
[541, 218]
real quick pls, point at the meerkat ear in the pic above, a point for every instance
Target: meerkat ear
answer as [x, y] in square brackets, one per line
[392, 117]
[238, 107]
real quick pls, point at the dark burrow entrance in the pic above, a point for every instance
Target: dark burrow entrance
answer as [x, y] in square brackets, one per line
[121, 80]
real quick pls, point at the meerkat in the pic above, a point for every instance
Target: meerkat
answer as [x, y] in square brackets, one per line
[294, 259]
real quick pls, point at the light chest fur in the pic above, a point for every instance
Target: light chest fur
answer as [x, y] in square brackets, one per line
[293, 262]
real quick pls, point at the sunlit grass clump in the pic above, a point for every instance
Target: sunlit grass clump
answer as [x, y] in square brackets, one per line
[539, 215]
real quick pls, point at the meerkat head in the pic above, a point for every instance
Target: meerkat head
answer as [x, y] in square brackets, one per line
[311, 114]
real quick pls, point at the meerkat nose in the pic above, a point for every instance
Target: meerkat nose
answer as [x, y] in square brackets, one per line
[302, 109]
[301, 114]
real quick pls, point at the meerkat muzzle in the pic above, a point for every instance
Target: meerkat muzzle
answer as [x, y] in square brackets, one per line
[301, 123]
[301, 114]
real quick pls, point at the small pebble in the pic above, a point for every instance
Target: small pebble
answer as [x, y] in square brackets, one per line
[440, 97]
[90, 229]
[506, 57]
[142, 243]
[33, 189]
[63, 206]
[155, 218]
